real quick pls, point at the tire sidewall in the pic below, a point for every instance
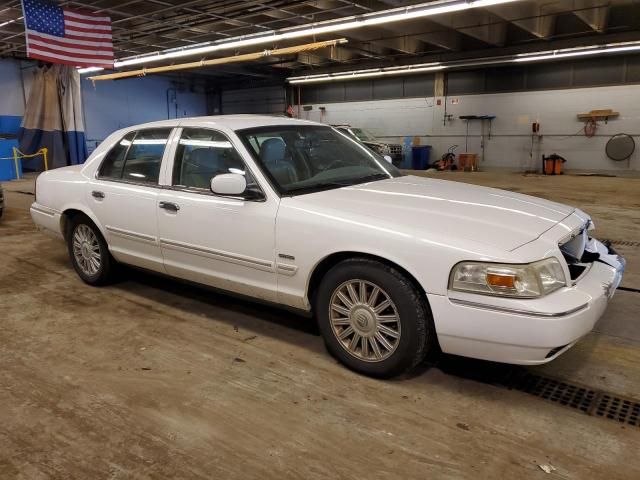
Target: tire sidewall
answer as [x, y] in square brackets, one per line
[413, 316]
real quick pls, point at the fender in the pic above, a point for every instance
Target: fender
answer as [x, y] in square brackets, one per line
[86, 211]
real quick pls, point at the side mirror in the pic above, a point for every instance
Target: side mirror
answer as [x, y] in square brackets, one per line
[388, 158]
[228, 184]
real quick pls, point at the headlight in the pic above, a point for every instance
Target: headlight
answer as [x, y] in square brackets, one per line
[507, 280]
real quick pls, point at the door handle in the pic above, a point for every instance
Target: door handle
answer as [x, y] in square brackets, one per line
[97, 194]
[172, 207]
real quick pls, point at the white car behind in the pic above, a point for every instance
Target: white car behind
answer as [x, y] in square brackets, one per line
[295, 213]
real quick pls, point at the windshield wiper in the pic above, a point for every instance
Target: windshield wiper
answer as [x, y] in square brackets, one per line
[348, 183]
[317, 186]
[370, 178]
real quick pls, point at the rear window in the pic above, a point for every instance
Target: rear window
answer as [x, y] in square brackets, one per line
[137, 157]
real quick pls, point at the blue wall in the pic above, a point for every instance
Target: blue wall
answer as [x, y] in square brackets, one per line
[11, 96]
[107, 106]
[111, 105]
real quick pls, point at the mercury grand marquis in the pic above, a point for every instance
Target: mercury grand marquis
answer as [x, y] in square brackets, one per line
[295, 213]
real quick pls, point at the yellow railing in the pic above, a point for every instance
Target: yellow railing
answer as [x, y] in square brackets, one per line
[18, 155]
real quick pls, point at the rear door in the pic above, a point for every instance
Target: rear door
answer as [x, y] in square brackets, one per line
[124, 197]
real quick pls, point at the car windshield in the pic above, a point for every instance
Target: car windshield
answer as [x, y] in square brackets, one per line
[303, 158]
[363, 135]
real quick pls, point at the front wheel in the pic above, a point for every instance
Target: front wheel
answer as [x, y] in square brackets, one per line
[373, 318]
[89, 252]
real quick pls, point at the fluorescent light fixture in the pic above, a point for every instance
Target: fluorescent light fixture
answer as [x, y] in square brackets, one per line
[328, 26]
[427, 67]
[8, 22]
[372, 72]
[578, 52]
[205, 143]
[90, 69]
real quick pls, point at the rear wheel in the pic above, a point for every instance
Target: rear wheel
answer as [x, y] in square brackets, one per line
[89, 252]
[373, 318]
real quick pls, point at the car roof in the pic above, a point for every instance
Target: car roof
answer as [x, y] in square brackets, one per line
[233, 122]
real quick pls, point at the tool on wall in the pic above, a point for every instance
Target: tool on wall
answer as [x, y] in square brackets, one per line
[482, 118]
[536, 137]
[591, 118]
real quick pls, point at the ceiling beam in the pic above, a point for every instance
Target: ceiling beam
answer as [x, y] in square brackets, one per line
[428, 32]
[537, 18]
[480, 24]
[594, 13]
[326, 55]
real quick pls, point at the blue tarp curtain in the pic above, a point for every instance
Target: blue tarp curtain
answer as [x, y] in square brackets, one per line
[53, 118]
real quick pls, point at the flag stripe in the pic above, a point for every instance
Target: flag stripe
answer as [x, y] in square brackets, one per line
[68, 41]
[85, 26]
[68, 17]
[53, 57]
[88, 36]
[73, 62]
[43, 46]
[92, 30]
[91, 18]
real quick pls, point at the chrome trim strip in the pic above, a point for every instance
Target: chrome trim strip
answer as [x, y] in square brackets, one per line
[466, 303]
[44, 210]
[131, 235]
[218, 255]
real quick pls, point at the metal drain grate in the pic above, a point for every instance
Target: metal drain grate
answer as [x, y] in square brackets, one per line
[619, 409]
[563, 393]
[625, 243]
[589, 401]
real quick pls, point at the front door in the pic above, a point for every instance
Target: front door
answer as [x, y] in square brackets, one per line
[225, 242]
[124, 197]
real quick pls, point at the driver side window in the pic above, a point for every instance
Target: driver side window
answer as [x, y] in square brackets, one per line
[201, 155]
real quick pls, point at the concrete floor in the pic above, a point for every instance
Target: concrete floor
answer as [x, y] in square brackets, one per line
[150, 378]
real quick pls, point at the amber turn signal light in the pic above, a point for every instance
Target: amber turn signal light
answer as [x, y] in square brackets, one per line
[501, 281]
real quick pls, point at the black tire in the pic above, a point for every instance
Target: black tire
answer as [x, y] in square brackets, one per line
[104, 274]
[417, 336]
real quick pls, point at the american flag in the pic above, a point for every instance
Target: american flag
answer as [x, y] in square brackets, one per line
[62, 35]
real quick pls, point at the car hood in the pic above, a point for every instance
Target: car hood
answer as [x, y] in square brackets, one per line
[499, 218]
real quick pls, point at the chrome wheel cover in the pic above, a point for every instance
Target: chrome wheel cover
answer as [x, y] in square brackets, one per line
[86, 250]
[364, 320]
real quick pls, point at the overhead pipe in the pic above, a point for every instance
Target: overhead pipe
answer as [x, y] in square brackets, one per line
[246, 57]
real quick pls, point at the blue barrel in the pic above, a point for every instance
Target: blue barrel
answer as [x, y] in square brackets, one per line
[420, 157]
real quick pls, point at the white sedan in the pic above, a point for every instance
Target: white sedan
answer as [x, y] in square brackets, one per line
[296, 213]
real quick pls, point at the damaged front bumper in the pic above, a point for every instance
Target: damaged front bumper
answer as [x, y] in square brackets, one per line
[529, 331]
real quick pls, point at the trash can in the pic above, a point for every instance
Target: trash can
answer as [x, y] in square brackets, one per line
[420, 157]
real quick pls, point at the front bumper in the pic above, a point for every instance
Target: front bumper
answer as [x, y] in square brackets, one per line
[527, 332]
